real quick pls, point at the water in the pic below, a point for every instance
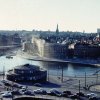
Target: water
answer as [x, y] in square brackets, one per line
[54, 68]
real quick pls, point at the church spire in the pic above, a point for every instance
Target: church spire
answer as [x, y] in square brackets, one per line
[57, 30]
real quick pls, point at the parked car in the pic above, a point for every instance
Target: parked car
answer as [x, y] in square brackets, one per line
[23, 87]
[55, 92]
[29, 93]
[65, 95]
[22, 91]
[67, 92]
[74, 96]
[44, 92]
[7, 84]
[16, 85]
[40, 91]
[91, 95]
[94, 98]
[16, 92]
[80, 94]
[7, 95]
[20, 86]
[4, 81]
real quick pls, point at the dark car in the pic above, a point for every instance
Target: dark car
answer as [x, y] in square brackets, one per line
[16, 93]
[29, 93]
[38, 84]
[93, 98]
[74, 96]
[55, 92]
[67, 92]
[65, 95]
[7, 84]
[16, 85]
[80, 94]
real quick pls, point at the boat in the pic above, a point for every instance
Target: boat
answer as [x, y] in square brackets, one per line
[9, 57]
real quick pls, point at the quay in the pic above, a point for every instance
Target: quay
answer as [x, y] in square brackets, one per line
[74, 61]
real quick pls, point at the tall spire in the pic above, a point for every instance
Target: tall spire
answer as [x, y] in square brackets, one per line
[57, 30]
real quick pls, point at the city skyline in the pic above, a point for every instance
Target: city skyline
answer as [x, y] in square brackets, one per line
[72, 15]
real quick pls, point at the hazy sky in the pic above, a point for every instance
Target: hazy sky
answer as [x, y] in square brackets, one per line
[72, 15]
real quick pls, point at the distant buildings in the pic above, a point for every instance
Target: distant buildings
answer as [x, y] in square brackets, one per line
[6, 40]
[84, 50]
[50, 47]
[27, 73]
[59, 45]
[47, 49]
[98, 30]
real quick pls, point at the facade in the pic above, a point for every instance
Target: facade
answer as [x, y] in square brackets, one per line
[46, 46]
[55, 50]
[29, 48]
[51, 50]
[86, 51]
[10, 40]
[39, 45]
[27, 73]
[98, 30]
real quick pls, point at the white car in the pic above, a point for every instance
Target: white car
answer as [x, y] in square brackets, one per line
[38, 91]
[7, 94]
[92, 95]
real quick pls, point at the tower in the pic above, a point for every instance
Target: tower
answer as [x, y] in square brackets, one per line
[57, 30]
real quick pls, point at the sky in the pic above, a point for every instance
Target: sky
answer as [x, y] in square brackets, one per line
[70, 15]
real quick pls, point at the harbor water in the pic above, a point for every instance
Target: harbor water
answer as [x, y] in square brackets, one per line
[54, 68]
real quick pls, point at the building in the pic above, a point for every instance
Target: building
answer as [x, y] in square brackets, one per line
[49, 47]
[55, 50]
[86, 51]
[29, 48]
[51, 50]
[98, 30]
[57, 30]
[27, 73]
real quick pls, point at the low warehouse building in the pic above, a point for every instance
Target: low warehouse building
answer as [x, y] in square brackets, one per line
[27, 73]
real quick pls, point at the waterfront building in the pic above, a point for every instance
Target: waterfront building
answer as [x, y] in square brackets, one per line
[30, 48]
[51, 50]
[55, 50]
[16, 39]
[27, 73]
[86, 51]
[39, 45]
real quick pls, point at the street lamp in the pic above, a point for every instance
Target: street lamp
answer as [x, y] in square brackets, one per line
[48, 74]
[79, 86]
[97, 78]
[85, 79]
[62, 75]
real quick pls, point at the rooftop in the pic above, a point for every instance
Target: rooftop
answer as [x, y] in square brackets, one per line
[27, 67]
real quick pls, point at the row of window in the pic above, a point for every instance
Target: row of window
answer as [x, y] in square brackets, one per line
[22, 72]
[28, 78]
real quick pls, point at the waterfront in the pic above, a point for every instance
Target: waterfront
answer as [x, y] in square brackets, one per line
[53, 68]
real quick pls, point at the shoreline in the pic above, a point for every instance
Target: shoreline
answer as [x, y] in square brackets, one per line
[90, 62]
